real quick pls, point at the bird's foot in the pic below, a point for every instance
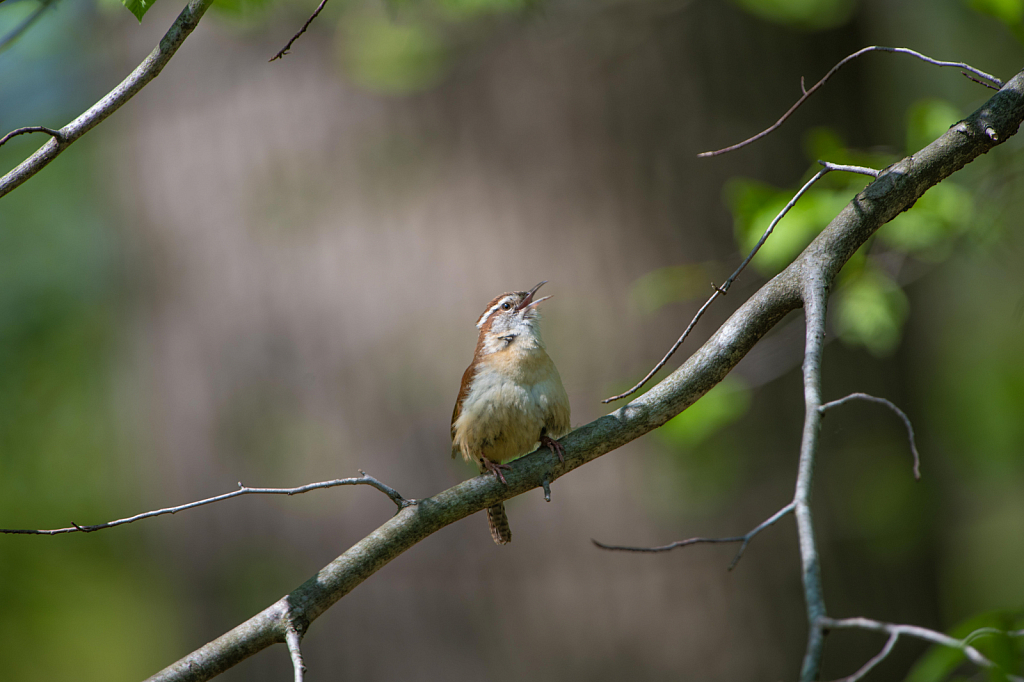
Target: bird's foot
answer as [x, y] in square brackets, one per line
[495, 468]
[554, 446]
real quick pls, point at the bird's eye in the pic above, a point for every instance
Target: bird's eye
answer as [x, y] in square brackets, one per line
[506, 306]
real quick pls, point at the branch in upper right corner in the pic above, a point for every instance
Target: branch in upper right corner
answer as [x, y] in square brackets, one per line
[982, 77]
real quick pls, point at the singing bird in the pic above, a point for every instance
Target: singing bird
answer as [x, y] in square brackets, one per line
[511, 398]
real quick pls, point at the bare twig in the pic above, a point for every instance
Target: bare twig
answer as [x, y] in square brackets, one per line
[988, 632]
[863, 170]
[874, 660]
[724, 288]
[363, 479]
[128, 88]
[56, 134]
[988, 85]
[671, 351]
[882, 401]
[293, 639]
[895, 630]
[284, 50]
[744, 539]
[807, 93]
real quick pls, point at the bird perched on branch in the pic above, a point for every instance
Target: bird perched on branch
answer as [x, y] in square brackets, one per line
[511, 396]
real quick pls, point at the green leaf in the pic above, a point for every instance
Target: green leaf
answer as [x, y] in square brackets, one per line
[870, 311]
[138, 7]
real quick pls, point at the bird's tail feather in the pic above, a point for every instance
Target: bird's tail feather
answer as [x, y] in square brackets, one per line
[497, 520]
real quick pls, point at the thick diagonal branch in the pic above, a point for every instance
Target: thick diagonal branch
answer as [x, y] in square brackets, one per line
[895, 190]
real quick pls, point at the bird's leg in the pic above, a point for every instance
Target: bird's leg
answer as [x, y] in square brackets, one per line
[553, 445]
[495, 468]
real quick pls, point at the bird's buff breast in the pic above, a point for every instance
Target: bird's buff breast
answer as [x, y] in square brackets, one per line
[508, 405]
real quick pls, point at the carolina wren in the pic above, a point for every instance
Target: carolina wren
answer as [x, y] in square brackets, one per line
[511, 396]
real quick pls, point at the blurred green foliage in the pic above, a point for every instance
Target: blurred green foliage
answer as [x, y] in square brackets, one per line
[805, 14]
[672, 284]
[471, 9]
[981, 377]
[870, 310]
[721, 406]
[60, 452]
[873, 498]
[926, 120]
[986, 551]
[1009, 12]
[702, 468]
[704, 471]
[929, 231]
[986, 632]
[246, 11]
[57, 297]
[407, 46]
[389, 56]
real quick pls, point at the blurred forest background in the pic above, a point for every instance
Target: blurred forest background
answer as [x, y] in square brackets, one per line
[269, 273]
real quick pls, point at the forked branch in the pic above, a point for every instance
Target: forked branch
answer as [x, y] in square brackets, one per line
[744, 540]
[55, 134]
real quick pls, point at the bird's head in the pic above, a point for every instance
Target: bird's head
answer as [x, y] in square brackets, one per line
[509, 318]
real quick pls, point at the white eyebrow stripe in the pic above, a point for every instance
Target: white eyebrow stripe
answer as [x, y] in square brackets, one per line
[483, 318]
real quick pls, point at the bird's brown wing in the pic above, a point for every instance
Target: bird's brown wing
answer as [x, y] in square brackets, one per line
[467, 379]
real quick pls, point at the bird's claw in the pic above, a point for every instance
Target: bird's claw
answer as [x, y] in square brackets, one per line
[495, 468]
[554, 446]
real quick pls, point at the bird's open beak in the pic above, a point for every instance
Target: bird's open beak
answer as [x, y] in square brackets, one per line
[528, 302]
